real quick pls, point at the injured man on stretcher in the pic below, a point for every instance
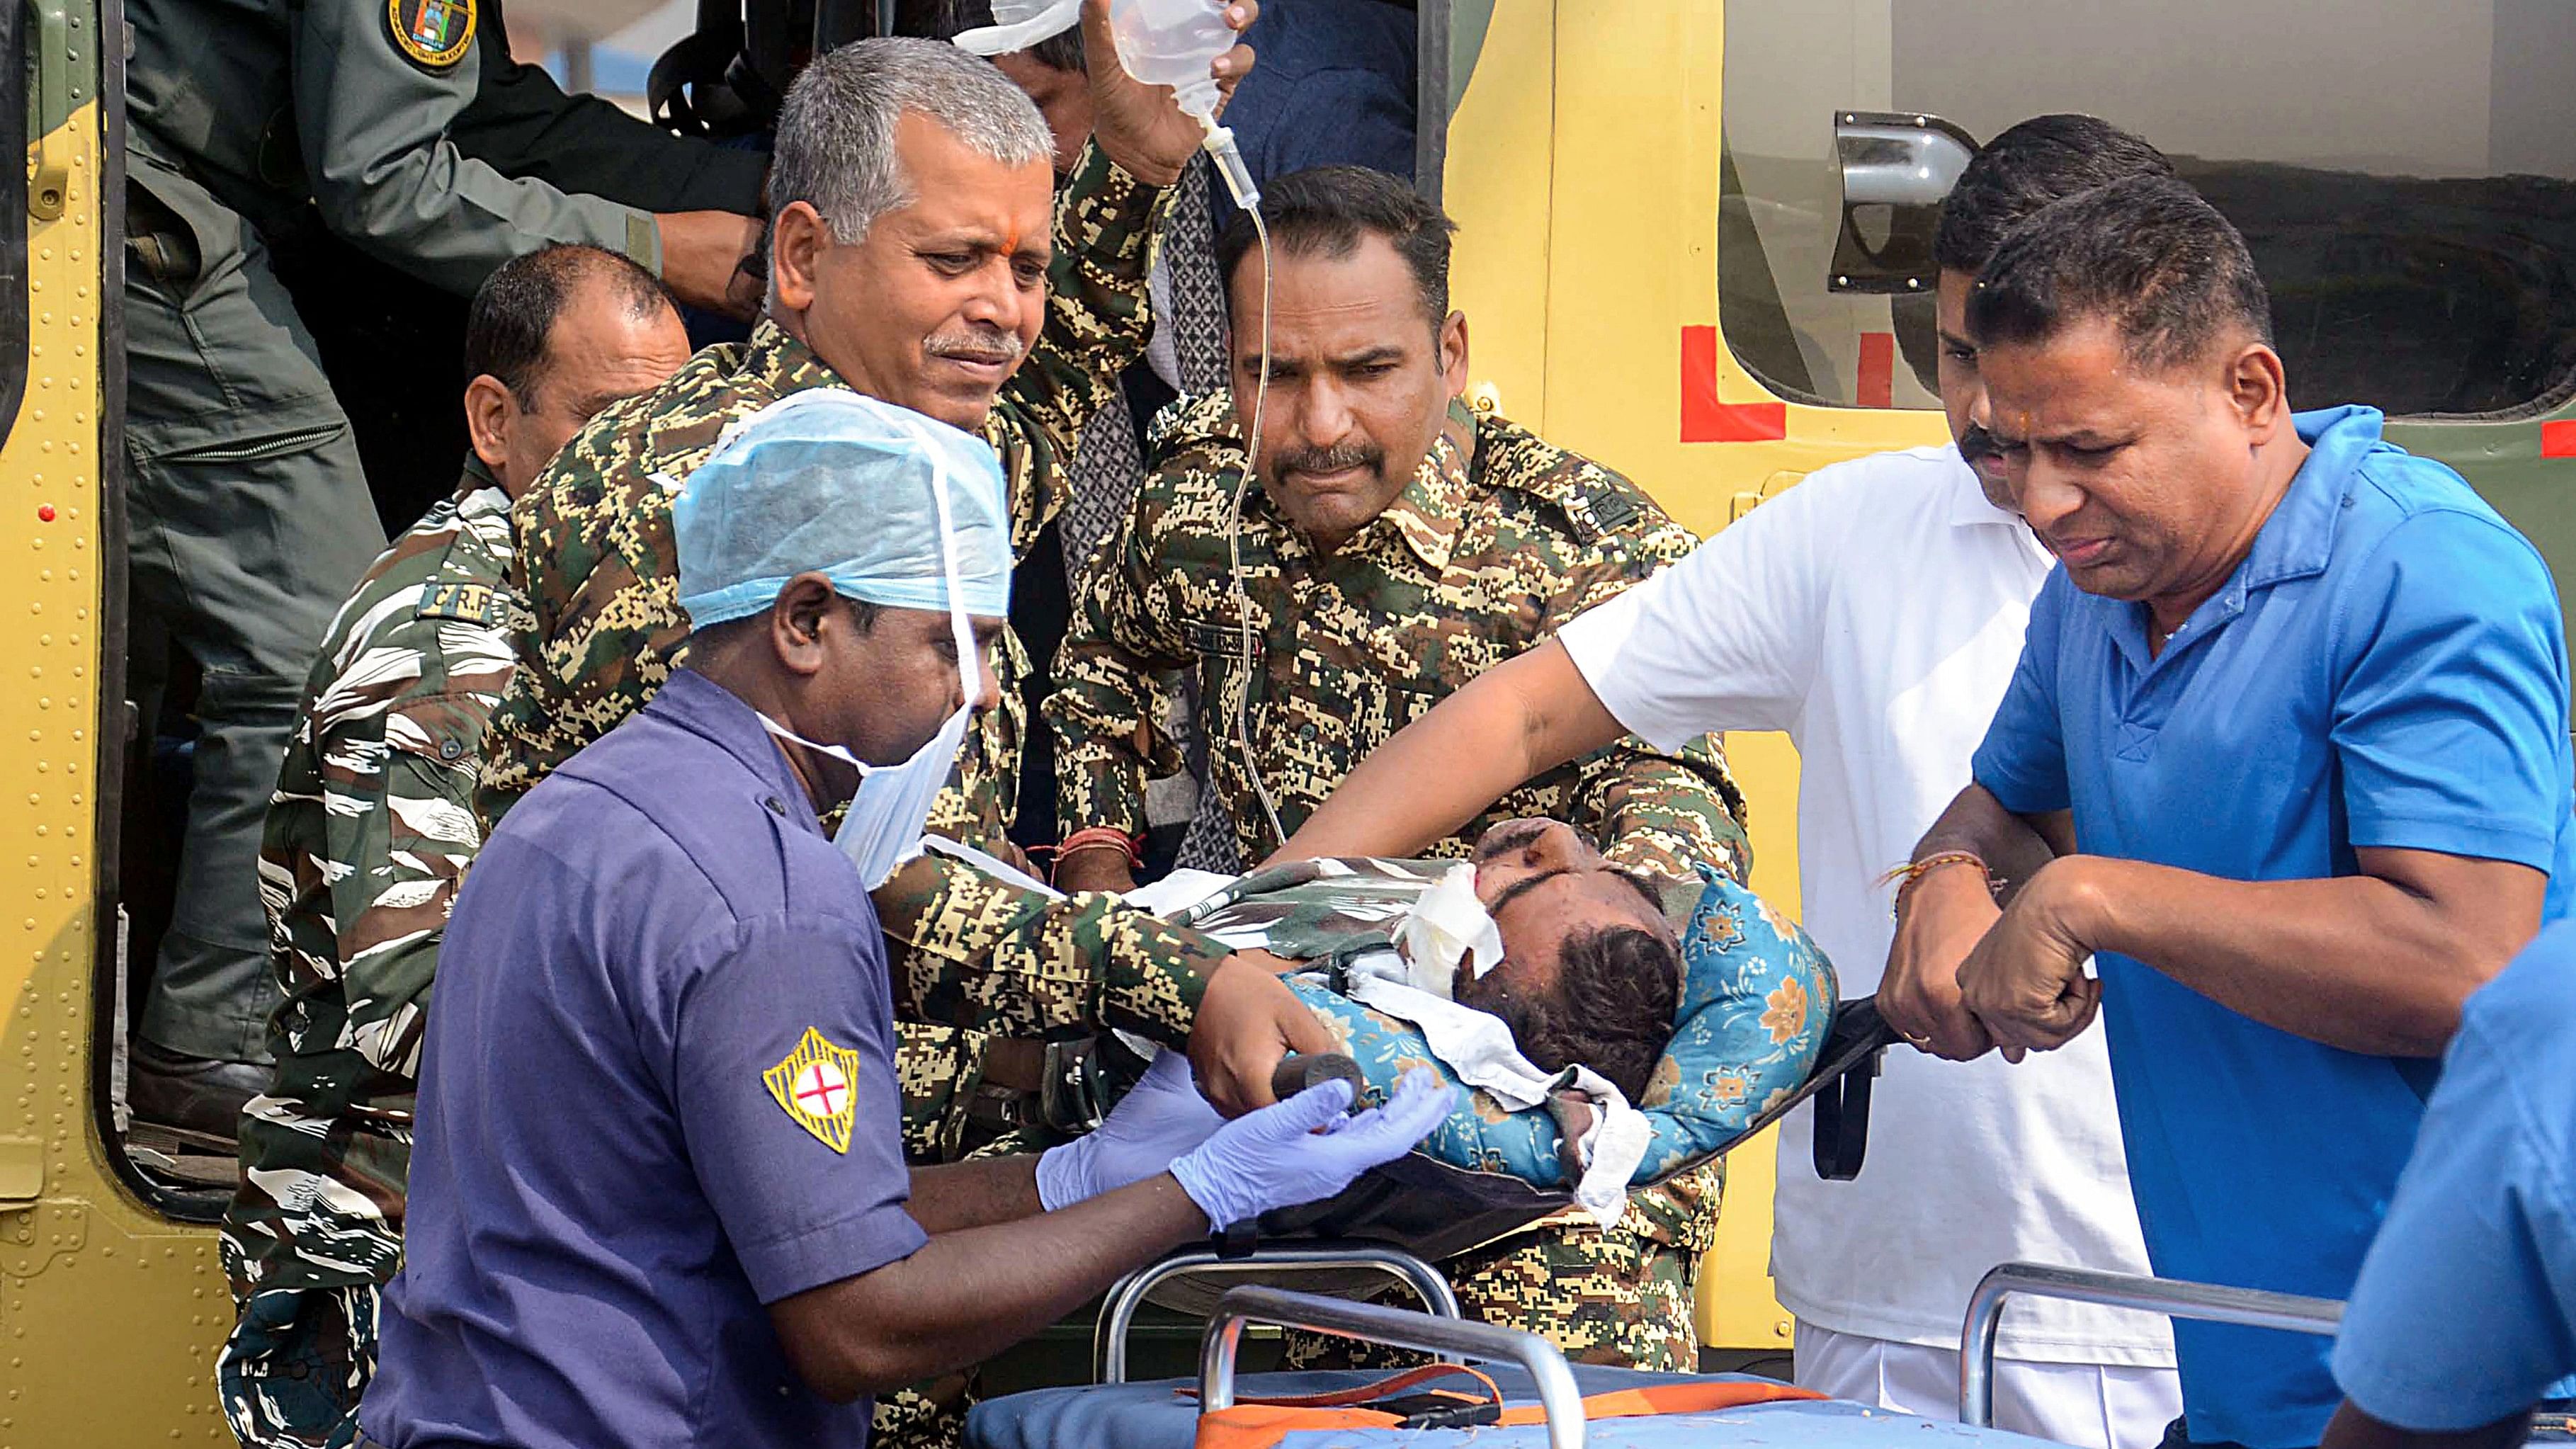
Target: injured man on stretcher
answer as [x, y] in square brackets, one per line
[1612, 1027]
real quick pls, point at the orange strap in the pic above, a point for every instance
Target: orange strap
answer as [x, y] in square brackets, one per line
[1261, 1424]
[1666, 1399]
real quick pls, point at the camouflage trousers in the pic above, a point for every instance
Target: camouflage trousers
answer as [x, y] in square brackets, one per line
[291, 1372]
[1620, 1296]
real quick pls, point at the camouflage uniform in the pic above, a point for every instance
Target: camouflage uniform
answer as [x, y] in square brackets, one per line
[604, 629]
[1497, 540]
[368, 832]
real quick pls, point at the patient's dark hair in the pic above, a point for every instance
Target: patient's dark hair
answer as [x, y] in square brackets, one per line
[1617, 989]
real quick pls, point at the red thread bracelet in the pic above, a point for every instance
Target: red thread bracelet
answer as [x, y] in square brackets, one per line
[1093, 837]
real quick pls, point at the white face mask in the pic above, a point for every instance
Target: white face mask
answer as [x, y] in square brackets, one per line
[884, 825]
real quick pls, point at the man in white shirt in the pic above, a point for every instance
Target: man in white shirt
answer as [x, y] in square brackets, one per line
[1875, 613]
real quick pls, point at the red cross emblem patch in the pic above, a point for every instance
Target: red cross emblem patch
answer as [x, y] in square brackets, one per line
[814, 1085]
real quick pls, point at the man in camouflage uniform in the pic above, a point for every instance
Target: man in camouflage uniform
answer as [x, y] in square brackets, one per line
[369, 830]
[1394, 546]
[925, 300]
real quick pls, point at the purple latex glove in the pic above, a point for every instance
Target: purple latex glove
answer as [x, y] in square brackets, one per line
[1276, 1158]
[1160, 1118]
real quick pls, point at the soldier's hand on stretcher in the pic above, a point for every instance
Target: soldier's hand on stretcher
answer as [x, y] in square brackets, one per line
[1305, 1150]
[1247, 1020]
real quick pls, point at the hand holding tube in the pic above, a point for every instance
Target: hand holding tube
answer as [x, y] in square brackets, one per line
[1276, 1158]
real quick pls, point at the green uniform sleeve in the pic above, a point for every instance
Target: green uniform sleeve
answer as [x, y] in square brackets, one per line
[1098, 318]
[993, 957]
[373, 128]
[523, 126]
[1653, 811]
[1106, 710]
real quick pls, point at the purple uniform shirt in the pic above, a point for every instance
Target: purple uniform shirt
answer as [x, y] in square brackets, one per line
[657, 1094]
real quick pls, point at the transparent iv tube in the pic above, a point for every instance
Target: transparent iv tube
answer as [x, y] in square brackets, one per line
[1229, 164]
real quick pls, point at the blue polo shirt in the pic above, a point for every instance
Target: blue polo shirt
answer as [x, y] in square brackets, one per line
[656, 1095]
[2466, 1309]
[2385, 668]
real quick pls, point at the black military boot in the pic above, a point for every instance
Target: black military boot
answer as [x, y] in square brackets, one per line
[198, 1097]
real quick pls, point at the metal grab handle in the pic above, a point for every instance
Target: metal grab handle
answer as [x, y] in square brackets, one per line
[50, 178]
[1127, 1296]
[2207, 1302]
[1375, 1323]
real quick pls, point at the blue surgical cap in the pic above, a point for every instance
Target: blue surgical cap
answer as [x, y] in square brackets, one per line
[826, 481]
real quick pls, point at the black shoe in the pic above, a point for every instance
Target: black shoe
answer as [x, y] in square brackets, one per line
[197, 1096]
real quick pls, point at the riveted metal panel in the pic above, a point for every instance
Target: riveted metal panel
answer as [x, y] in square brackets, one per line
[110, 1313]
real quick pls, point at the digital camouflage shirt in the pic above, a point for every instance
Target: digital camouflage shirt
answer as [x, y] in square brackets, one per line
[603, 628]
[1498, 539]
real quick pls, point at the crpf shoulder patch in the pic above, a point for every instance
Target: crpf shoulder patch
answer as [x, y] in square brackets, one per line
[467, 603]
[434, 35]
[814, 1085]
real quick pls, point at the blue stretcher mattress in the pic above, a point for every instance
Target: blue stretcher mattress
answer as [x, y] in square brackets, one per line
[1153, 1415]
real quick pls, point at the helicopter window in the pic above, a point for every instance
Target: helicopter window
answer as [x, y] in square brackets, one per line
[14, 114]
[2408, 186]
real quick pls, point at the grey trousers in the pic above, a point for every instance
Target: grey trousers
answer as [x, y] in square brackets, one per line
[249, 522]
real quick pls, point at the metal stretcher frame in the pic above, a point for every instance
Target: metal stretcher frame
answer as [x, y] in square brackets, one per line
[1558, 1394]
[2206, 1302]
[1118, 1310]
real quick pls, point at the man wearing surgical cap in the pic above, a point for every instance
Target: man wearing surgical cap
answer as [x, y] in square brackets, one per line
[912, 261]
[658, 1192]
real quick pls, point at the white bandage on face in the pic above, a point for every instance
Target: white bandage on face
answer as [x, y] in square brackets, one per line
[1448, 924]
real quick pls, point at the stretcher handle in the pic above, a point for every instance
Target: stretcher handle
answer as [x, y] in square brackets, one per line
[1300, 1070]
[2172, 1297]
[1118, 1311]
[1558, 1395]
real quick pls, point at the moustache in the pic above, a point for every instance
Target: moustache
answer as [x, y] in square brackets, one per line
[1328, 460]
[1977, 443]
[990, 345]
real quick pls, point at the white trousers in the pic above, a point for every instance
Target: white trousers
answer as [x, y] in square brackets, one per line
[2098, 1406]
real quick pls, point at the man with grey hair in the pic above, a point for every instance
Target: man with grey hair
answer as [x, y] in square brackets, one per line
[912, 262]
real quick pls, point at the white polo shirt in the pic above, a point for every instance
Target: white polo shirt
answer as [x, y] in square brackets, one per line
[1875, 613]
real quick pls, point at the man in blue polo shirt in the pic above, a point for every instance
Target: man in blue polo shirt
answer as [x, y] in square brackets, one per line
[2300, 700]
[658, 1194]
